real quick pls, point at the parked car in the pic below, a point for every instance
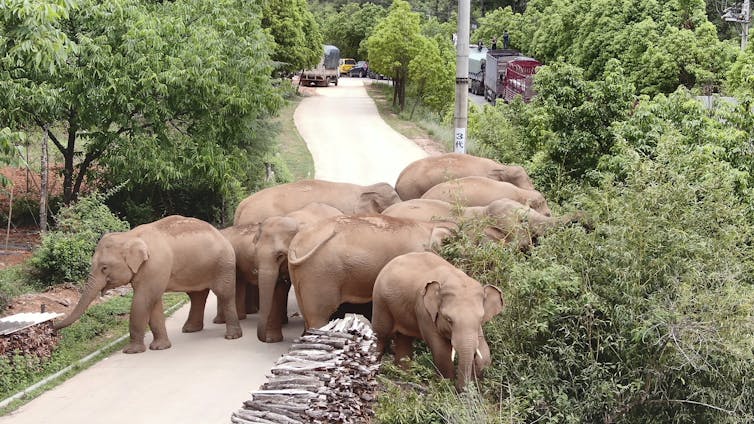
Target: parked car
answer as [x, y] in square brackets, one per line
[345, 65]
[361, 69]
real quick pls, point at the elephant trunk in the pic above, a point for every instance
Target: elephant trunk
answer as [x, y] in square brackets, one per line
[270, 314]
[90, 292]
[466, 348]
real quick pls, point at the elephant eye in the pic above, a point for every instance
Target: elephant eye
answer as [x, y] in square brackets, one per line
[447, 318]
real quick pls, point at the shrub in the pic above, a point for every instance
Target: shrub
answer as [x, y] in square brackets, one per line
[645, 319]
[65, 252]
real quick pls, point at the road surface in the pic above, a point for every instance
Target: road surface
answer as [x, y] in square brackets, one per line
[203, 378]
[347, 138]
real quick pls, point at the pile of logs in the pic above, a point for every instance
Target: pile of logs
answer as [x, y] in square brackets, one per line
[39, 340]
[328, 376]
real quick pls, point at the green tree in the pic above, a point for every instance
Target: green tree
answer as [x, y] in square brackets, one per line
[395, 42]
[495, 23]
[660, 46]
[577, 115]
[432, 73]
[298, 39]
[351, 26]
[154, 93]
[32, 46]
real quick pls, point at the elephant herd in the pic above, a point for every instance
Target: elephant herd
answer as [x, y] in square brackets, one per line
[335, 243]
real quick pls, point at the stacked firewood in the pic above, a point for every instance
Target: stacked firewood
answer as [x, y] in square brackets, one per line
[328, 376]
[37, 340]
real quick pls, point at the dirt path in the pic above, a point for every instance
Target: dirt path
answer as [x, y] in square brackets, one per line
[203, 378]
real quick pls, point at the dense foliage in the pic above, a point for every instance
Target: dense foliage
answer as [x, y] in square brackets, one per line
[65, 253]
[661, 45]
[176, 96]
[298, 40]
[351, 26]
[647, 318]
[101, 324]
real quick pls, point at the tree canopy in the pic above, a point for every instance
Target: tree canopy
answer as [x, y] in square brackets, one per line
[351, 26]
[394, 43]
[660, 46]
[297, 36]
[150, 93]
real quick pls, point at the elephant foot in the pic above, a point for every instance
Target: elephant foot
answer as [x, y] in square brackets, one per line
[241, 316]
[233, 333]
[218, 320]
[160, 344]
[273, 338]
[134, 348]
[192, 327]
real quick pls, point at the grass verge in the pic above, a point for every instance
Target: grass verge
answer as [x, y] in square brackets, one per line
[293, 150]
[100, 325]
[422, 126]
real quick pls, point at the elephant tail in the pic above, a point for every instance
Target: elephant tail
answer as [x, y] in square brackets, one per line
[293, 260]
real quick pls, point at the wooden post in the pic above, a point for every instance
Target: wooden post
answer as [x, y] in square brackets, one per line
[43, 184]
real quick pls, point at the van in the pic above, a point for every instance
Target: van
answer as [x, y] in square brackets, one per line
[346, 65]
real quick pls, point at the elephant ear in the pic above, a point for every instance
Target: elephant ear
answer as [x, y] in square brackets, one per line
[136, 253]
[499, 174]
[368, 203]
[493, 302]
[496, 233]
[258, 233]
[431, 299]
[439, 233]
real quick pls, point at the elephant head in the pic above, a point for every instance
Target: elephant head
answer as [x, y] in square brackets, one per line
[515, 175]
[272, 241]
[537, 202]
[376, 198]
[458, 312]
[116, 260]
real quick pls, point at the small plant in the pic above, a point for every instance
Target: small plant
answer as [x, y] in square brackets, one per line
[65, 252]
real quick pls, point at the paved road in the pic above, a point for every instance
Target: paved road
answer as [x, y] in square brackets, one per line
[348, 139]
[203, 378]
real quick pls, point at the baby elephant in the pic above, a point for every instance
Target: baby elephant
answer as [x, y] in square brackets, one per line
[420, 295]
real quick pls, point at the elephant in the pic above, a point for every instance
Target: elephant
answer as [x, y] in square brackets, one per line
[271, 245]
[423, 174]
[421, 295]
[506, 219]
[480, 191]
[175, 253]
[241, 237]
[336, 260]
[285, 198]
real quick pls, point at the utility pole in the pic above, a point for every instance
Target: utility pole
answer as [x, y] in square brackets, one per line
[462, 75]
[740, 13]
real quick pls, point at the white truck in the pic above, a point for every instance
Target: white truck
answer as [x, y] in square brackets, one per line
[326, 71]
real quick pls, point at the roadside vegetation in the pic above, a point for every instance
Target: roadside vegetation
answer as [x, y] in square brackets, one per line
[642, 319]
[646, 318]
[102, 324]
[148, 109]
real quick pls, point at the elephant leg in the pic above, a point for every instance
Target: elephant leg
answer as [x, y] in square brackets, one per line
[403, 350]
[481, 363]
[157, 324]
[286, 289]
[226, 299]
[441, 355]
[250, 298]
[195, 320]
[382, 323]
[317, 304]
[140, 313]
